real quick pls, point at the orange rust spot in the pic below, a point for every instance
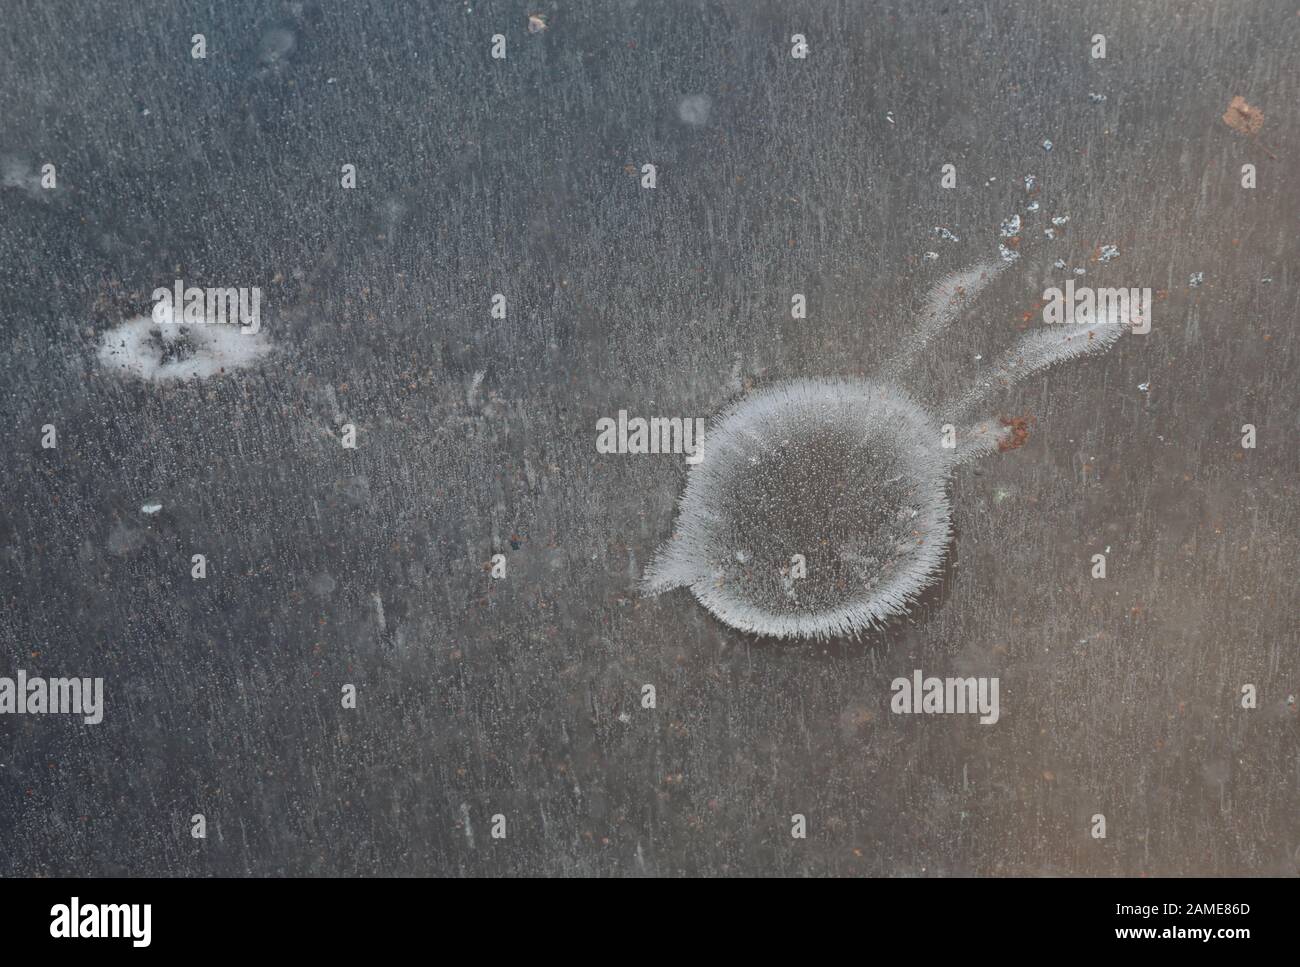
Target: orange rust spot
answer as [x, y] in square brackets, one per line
[1019, 426]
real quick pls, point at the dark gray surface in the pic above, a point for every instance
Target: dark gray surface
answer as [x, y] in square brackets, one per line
[480, 697]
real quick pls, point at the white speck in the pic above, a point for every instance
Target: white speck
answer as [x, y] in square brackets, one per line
[1196, 279]
[1108, 252]
[150, 508]
[1032, 206]
[1060, 220]
[1010, 227]
[1097, 98]
[624, 718]
[1047, 146]
[1080, 271]
[946, 235]
[1049, 233]
[1031, 182]
[1144, 386]
[1006, 254]
[472, 390]
[930, 256]
[1059, 263]
[889, 116]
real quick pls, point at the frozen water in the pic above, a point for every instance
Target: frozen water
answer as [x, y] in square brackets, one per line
[848, 474]
[144, 349]
[820, 508]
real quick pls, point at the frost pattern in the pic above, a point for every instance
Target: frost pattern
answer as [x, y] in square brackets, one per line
[850, 474]
[139, 348]
[846, 473]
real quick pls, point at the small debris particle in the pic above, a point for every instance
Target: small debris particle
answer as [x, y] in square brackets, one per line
[1243, 118]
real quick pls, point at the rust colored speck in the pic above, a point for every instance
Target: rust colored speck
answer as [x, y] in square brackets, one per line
[1019, 426]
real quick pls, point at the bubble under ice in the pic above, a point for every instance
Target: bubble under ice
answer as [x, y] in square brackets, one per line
[851, 475]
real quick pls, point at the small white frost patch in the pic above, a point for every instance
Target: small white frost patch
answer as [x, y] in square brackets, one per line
[139, 347]
[150, 508]
[694, 109]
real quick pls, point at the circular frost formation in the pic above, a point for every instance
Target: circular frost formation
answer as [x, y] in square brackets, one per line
[847, 474]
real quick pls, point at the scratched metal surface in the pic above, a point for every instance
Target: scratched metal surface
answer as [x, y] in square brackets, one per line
[521, 696]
